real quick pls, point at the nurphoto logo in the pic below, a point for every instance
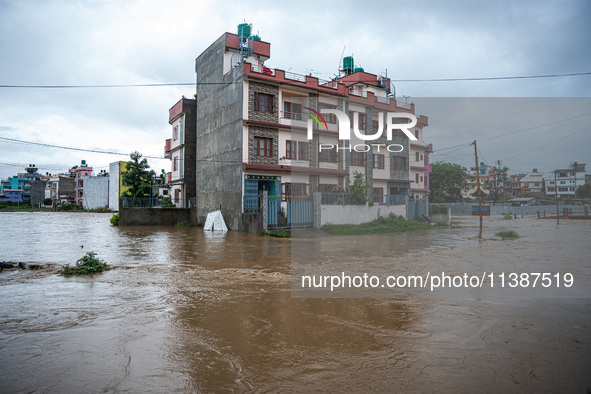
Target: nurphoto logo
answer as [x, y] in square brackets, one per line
[345, 129]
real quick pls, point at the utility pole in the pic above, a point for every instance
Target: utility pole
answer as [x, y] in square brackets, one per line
[478, 185]
[556, 197]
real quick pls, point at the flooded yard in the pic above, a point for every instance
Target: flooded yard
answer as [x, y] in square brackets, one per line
[185, 310]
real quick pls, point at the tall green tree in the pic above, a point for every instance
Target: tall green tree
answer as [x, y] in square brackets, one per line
[583, 191]
[447, 180]
[495, 184]
[138, 178]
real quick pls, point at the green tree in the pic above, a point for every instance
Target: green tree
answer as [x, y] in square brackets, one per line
[359, 190]
[495, 184]
[583, 191]
[447, 179]
[138, 177]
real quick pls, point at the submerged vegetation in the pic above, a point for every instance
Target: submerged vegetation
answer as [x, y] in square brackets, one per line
[87, 265]
[507, 234]
[389, 224]
[278, 234]
[115, 220]
[507, 216]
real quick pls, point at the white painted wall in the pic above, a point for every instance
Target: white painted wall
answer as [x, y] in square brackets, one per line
[357, 214]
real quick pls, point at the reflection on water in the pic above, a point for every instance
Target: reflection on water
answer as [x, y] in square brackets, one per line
[190, 311]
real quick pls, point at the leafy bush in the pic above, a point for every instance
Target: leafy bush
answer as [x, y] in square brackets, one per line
[507, 234]
[68, 207]
[507, 216]
[46, 201]
[101, 210]
[115, 220]
[87, 265]
[437, 209]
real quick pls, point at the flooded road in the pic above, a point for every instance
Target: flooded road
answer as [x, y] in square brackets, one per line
[188, 311]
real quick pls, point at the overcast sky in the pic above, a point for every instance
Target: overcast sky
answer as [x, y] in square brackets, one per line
[148, 41]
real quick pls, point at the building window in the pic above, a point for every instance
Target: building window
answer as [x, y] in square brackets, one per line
[417, 134]
[358, 158]
[416, 156]
[175, 133]
[400, 163]
[262, 147]
[416, 178]
[292, 111]
[563, 189]
[177, 195]
[293, 189]
[550, 189]
[264, 103]
[303, 150]
[330, 118]
[421, 178]
[328, 155]
[175, 163]
[362, 120]
[379, 161]
[562, 182]
[378, 195]
[421, 158]
[290, 150]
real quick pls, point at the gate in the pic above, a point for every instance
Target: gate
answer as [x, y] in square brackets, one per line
[299, 212]
[416, 208]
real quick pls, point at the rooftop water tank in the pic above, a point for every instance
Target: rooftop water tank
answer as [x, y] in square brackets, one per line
[348, 64]
[244, 30]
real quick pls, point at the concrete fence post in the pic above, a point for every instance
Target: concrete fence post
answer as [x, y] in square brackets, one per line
[317, 201]
[264, 207]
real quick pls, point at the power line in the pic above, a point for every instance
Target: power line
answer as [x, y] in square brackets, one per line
[229, 83]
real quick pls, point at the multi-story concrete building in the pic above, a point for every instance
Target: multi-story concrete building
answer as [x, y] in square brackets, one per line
[567, 181]
[116, 186]
[524, 185]
[96, 191]
[419, 166]
[81, 171]
[252, 132]
[181, 150]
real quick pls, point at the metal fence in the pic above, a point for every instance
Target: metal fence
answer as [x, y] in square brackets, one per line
[157, 202]
[360, 199]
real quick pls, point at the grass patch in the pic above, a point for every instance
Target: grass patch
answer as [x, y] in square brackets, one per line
[507, 234]
[507, 216]
[182, 224]
[275, 234]
[87, 265]
[390, 224]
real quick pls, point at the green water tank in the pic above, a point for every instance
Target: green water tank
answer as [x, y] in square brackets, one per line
[244, 30]
[255, 37]
[348, 64]
[357, 69]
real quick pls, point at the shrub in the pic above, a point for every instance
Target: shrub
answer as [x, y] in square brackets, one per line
[87, 265]
[115, 220]
[507, 234]
[101, 210]
[68, 207]
[46, 201]
[507, 216]
[182, 224]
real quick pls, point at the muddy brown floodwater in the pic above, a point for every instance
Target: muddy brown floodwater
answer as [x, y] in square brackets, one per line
[190, 311]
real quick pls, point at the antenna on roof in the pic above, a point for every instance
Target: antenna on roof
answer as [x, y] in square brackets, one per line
[341, 60]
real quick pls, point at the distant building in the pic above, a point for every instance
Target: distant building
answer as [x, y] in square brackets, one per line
[523, 185]
[61, 188]
[181, 150]
[96, 191]
[82, 171]
[116, 186]
[11, 195]
[567, 181]
[472, 184]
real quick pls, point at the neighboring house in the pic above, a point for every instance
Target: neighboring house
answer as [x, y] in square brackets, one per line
[252, 132]
[82, 171]
[116, 186]
[61, 188]
[419, 167]
[472, 184]
[567, 181]
[23, 181]
[11, 195]
[96, 191]
[523, 185]
[181, 150]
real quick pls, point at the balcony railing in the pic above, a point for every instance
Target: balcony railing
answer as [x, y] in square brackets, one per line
[291, 115]
[295, 77]
[262, 69]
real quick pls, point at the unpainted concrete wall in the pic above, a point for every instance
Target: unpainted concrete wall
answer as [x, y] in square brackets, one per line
[155, 216]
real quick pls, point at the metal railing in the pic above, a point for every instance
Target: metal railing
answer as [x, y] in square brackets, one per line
[262, 69]
[157, 202]
[295, 77]
[383, 100]
[291, 115]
